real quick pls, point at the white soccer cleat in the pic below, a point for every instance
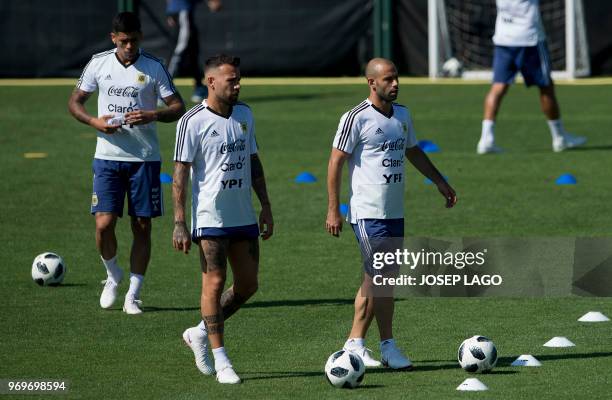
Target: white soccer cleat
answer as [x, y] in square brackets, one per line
[393, 357]
[131, 306]
[227, 375]
[366, 356]
[568, 141]
[487, 148]
[198, 343]
[109, 293]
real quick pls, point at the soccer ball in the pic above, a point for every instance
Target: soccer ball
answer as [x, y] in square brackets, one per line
[344, 369]
[477, 354]
[452, 68]
[48, 269]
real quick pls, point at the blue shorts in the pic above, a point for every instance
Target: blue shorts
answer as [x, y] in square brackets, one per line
[139, 180]
[532, 62]
[243, 232]
[378, 236]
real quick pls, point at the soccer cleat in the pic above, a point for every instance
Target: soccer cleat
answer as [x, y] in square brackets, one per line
[568, 141]
[198, 343]
[199, 94]
[131, 306]
[109, 293]
[227, 375]
[366, 356]
[393, 357]
[487, 148]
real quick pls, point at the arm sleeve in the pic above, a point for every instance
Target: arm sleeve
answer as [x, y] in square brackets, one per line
[186, 145]
[88, 82]
[347, 135]
[163, 82]
[254, 146]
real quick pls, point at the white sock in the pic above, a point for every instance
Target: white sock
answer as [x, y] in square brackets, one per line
[202, 327]
[387, 342]
[135, 285]
[221, 359]
[556, 129]
[488, 131]
[112, 268]
[354, 343]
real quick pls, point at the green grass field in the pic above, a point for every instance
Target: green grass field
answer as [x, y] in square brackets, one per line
[280, 340]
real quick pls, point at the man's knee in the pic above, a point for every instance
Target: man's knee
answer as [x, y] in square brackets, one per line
[246, 289]
[141, 227]
[105, 223]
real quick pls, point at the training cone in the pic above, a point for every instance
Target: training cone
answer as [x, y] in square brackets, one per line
[559, 341]
[305, 177]
[344, 209]
[566, 179]
[526, 360]
[472, 385]
[428, 146]
[165, 178]
[593, 316]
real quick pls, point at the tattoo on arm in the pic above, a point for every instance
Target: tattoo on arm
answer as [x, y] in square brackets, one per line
[179, 189]
[258, 181]
[231, 302]
[214, 323]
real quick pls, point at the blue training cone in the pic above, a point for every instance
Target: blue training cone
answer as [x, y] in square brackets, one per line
[566, 179]
[428, 146]
[305, 177]
[344, 209]
[165, 178]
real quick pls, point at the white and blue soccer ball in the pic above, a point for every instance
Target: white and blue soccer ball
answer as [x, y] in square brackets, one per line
[344, 369]
[477, 354]
[452, 68]
[48, 269]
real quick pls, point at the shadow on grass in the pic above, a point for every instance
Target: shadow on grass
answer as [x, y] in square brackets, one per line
[69, 285]
[587, 148]
[506, 361]
[271, 303]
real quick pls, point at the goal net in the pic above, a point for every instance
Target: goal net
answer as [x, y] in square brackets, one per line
[460, 33]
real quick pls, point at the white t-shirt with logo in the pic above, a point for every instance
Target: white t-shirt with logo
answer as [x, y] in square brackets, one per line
[220, 151]
[377, 145]
[518, 23]
[121, 90]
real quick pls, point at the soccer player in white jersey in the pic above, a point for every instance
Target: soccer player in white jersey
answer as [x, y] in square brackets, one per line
[376, 138]
[520, 45]
[215, 141]
[127, 158]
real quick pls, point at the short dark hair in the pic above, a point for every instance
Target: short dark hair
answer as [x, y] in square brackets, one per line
[126, 22]
[219, 60]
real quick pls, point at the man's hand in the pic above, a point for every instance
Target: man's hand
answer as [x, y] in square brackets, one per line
[333, 224]
[266, 222]
[180, 237]
[140, 117]
[101, 124]
[448, 193]
[214, 5]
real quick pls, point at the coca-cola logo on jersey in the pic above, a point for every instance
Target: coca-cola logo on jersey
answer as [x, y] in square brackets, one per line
[128, 91]
[238, 145]
[393, 145]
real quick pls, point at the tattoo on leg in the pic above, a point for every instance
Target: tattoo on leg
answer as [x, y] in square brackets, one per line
[254, 249]
[215, 253]
[214, 323]
[231, 302]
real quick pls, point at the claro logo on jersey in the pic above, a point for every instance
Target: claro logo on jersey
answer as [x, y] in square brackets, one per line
[116, 108]
[128, 91]
[393, 145]
[238, 145]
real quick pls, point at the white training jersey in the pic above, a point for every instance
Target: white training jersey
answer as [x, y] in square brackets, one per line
[518, 23]
[377, 145]
[123, 89]
[220, 151]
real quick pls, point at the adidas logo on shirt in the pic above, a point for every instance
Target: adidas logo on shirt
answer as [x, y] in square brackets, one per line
[379, 132]
[108, 78]
[214, 134]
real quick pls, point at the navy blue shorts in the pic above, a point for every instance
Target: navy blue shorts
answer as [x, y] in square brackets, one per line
[139, 180]
[532, 62]
[376, 236]
[243, 232]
